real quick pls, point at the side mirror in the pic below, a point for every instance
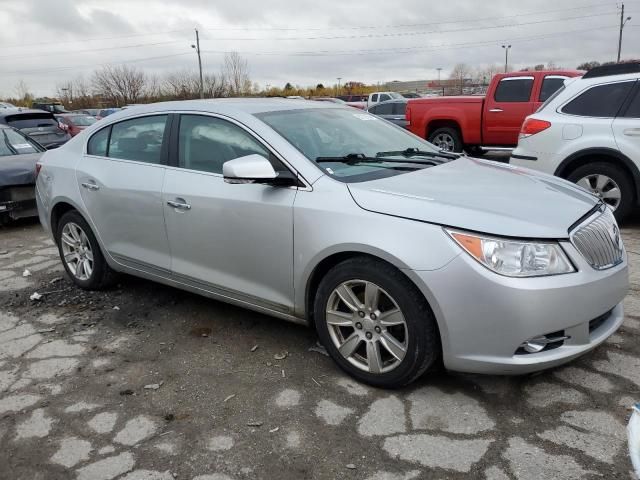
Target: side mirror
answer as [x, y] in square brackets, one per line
[249, 169]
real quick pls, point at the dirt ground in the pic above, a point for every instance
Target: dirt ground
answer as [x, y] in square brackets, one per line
[146, 382]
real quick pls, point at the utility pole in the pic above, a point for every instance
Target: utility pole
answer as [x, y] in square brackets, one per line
[197, 47]
[338, 93]
[439, 69]
[623, 22]
[506, 57]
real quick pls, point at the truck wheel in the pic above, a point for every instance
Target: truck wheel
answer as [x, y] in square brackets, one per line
[447, 139]
[608, 182]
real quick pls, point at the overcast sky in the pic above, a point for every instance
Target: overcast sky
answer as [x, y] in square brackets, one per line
[46, 42]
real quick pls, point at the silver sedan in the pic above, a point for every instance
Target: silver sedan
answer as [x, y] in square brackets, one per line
[399, 255]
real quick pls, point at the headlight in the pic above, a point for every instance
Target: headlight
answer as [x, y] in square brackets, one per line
[514, 258]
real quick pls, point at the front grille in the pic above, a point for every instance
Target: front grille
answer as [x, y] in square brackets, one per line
[599, 241]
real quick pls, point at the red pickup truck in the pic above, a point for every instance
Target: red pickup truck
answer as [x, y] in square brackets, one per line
[478, 123]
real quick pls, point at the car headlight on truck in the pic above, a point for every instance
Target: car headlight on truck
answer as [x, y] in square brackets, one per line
[514, 258]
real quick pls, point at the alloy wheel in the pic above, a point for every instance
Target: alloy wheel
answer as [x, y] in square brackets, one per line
[77, 252]
[444, 141]
[604, 187]
[367, 326]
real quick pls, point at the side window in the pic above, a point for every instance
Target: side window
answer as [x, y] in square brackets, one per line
[385, 109]
[138, 139]
[399, 108]
[98, 143]
[384, 97]
[374, 98]
[205, 143]
[514, 89]
[550, 85]
[634, 108]
[600, 101]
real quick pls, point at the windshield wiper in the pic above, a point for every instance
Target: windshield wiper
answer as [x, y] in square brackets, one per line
[353, 158]
[415, 152]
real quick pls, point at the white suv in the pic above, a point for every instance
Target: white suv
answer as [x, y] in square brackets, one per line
[589, 133]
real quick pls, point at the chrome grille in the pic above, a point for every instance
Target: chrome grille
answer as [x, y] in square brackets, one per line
[599, 241]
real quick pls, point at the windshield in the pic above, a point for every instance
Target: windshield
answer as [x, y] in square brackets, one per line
[324, 133]
[15, 143]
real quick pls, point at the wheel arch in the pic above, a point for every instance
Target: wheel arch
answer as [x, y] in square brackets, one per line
[326, 263]
[607, 155]
[435, 124]
[59, 208]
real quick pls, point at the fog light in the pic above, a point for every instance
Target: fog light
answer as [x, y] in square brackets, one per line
[543, 342]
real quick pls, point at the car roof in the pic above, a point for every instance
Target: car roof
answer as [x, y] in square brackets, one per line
[230, 106]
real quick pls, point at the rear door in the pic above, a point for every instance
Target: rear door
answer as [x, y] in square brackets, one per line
[233, 240]
[626, 127]
[120, 179]
[41, 126]
[550, 84]
[506, 109]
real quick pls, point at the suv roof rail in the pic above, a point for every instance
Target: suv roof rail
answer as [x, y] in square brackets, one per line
[615, 69]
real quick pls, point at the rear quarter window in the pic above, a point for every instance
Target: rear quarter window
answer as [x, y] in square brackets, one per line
[602, 101]
[98, 142]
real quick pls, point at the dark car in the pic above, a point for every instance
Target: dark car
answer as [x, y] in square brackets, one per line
[74, 123]
[392, 110]
[18, 157]
[88, 111]
[105, 112]
[40, 125]
[53, 107]
[410, 95]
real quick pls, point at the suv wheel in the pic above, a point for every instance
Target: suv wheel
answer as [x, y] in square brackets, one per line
[375, 323]
[80, 253]
[447, 139]
[608, 182]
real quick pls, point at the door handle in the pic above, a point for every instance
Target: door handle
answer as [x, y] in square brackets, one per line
[496, 110]
[179, 205]
[632, 132]
[90, 186]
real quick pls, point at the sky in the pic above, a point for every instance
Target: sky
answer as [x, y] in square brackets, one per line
[47, 42]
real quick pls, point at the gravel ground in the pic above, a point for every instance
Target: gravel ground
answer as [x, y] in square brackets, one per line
[146, 382]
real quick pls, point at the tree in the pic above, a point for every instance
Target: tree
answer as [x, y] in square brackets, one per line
[588, 65]
[23, 96]
[319, 86]
[460, 74]
[288, 87]
[236, 72]
[119, 85]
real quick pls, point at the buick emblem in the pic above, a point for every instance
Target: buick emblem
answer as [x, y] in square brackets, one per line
[40, 129]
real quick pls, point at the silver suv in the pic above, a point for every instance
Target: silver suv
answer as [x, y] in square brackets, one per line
[398, 254]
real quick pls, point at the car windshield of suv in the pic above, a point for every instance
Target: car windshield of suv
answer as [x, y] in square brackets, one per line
[352, 145]
[82, 120]
[15, 143]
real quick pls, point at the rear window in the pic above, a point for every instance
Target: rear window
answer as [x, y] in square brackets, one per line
[82, 120]
[600, 101]
[514, 89]
[31, 120]
[13, 142]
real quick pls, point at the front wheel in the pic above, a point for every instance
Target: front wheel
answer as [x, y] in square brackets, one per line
[610, 183]
[80, 253]
[447, 139]
[375, 323]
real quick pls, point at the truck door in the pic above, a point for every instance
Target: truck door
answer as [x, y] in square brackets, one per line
[505, 109]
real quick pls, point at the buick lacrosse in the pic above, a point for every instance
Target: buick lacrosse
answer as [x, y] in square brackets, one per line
[401, 256]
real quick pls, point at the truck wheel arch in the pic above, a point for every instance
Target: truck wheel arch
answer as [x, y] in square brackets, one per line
[433, 125]
[608, 155]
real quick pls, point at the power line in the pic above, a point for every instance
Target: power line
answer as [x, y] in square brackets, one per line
[410, 49]
[410, 34]
[91, 50]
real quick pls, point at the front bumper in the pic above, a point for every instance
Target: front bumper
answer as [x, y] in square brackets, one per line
[484, 318]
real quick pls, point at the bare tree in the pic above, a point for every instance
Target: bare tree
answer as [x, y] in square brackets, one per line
[236, 72]
[23, 95]
[460, 73]
[119, 84]
[183, 84]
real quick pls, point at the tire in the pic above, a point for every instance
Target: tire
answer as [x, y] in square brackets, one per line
[476, 152]
[418, 334]
[588, 176]
[447, 139]
[75, 227]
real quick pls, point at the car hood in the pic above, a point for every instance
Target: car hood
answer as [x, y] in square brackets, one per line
[482, 196]
[18, 169]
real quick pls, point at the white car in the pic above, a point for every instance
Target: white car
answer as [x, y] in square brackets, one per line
[589, 133]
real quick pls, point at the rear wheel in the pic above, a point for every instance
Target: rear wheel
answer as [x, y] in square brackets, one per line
[447, 139]
[608, 182]
[375, 324]
[80, 253]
